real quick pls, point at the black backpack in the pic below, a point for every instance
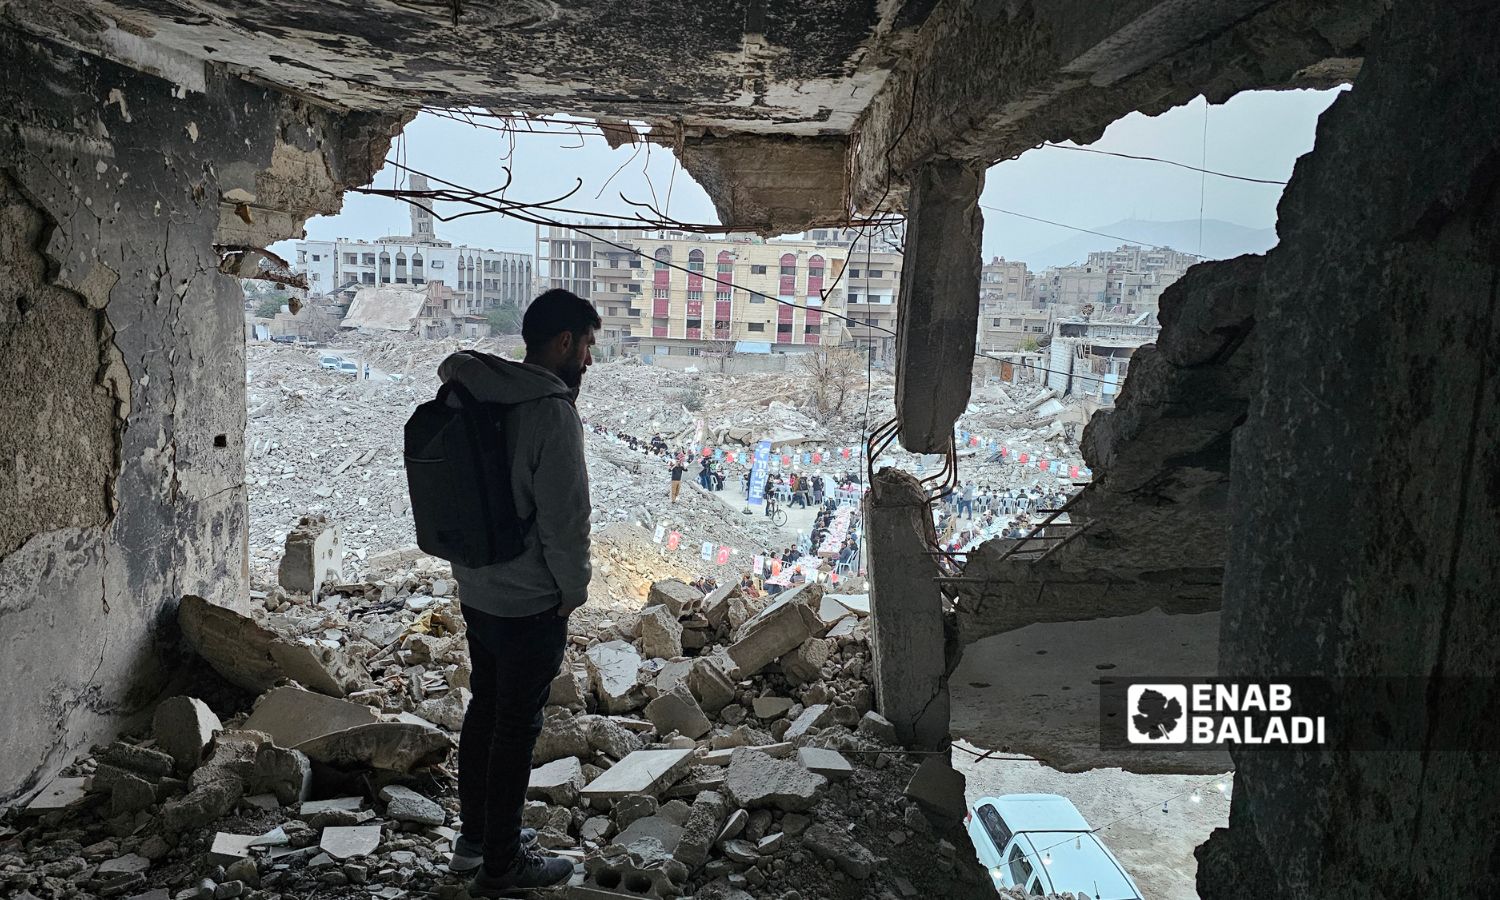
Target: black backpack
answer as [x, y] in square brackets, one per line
[458, 471]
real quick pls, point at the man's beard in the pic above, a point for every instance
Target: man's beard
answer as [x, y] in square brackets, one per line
[572, 375]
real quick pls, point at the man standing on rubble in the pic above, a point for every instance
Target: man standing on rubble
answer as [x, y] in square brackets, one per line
[517, 611]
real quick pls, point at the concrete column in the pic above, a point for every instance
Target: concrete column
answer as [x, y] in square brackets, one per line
[939, 303]
[911, 667]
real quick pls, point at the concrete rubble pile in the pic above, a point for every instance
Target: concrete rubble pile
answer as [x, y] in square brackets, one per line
[700, 746]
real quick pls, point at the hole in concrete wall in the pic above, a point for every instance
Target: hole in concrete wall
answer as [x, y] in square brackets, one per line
[221, 440]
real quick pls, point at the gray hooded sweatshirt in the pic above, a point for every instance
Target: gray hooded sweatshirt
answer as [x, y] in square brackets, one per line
[549, 479]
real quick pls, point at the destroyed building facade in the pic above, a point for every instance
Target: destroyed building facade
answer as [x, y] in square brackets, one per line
[1298, 474]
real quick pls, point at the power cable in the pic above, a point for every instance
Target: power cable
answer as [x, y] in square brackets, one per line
[1113, 237]
[1169, 162]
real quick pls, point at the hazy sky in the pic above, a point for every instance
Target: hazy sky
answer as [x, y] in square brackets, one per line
[1254, 134]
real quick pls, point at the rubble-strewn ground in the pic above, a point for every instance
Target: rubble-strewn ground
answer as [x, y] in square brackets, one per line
[309, 750]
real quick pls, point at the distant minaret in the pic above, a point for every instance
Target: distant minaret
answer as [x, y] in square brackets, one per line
[421, 211]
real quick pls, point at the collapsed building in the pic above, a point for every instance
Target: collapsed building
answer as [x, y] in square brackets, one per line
[1297, 478]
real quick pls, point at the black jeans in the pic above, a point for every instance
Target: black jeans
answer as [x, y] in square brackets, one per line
[514, 661]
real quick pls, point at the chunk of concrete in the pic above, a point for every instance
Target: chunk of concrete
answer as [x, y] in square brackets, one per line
[939, 789]
[292, 716]
[812, 717]
[228, 849]
[628, 809]
[129, 864]
[642, 772]
[677, 710]
[561, 736]
[253, 657]
[848, 854]
[771, 707]
[650, 836]
[393, 746]
[568, 688]
[347, 843]
[59, 794]
[877, 728]
[184, 727]
[314, 555]
[705, 820]
[759, 781]
[557, 782]
[676, 598]
[611, 738]
[777, 631]
[406, 805]
[257, 764]
[661, 633]
[716, 605]
[831, 764]
[710, 685]
[613, 670]
[805, 663]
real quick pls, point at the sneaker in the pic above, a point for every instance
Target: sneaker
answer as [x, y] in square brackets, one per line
[468, 855]
[531, 869]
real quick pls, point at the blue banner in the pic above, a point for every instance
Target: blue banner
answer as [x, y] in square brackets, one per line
[758, 472]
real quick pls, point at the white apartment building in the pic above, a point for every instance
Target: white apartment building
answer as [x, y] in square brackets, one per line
[482, 279]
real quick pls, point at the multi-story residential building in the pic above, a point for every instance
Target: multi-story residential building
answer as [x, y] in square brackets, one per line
[1004, 281]
[611, 278]
[482, 279]
[872, 282]
[1091, 355]
[1007, 327]
[656, 309]
[1132, 258]
[1128, 280]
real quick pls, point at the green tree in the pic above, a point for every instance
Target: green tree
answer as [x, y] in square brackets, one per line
[1029, 345]
[504, 320]
[269, 307]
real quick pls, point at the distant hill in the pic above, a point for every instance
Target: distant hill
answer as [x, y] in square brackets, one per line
[1221, 240]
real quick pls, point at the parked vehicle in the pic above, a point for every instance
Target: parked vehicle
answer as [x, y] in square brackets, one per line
[348, 367]
[329, 362]
[1040, 843]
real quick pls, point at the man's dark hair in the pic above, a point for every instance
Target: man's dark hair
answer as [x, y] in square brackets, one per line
[554, 312]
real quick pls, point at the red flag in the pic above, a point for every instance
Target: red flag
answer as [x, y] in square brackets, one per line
[973, 441]
[1072, 471]
[707, 452]
[1004, 452]
[1042, 464]
[775, 567]
[1024, 457]
[817, 457]
[786, 460]
[723, 556]
[673, 540]
[729, 457]
[846, 452]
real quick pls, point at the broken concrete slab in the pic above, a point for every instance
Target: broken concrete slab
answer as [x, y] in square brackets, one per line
[705, 821]
[556, 782]
[835, 844]
[757, 780]
[612, 736]
[771, 707]
[129, 864]
[805, 663]
[394, 746]
[815, 716]
[642, 772]
[650, 836]
[829, 763]
[859, 604]
[677, 598]
[677, 710]
[59, 794]
[347, 843]
[314, 555]
[724, 757]
[661, 633]
[939, 789]
[406, 805]
[614, 667]
[569, 688]
[183, 728]
[878, 728]
[780, 629]
[230, 848]
[710, 685]
[292, 716]
[253, 657]
[716, 605]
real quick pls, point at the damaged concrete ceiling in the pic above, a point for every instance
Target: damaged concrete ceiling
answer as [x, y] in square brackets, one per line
[871, 89]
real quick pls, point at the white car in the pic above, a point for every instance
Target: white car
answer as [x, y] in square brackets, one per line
[348, 367]
[329, 362]
[1040, 843]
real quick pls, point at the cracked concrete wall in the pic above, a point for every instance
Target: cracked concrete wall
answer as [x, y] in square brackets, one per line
[122, 352]
[1365, 498]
